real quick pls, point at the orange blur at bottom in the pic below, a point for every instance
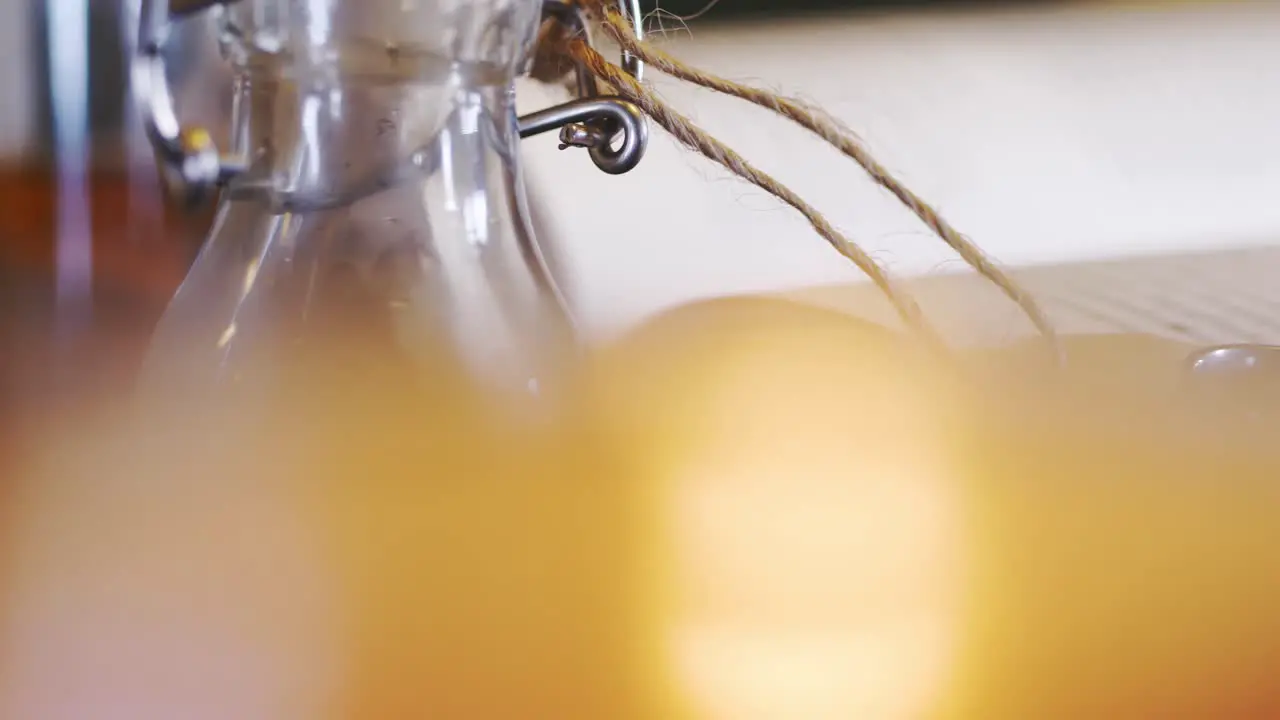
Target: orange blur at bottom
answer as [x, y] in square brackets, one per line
[750, 510]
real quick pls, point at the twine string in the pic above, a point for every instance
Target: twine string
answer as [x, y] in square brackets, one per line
[695, 138]
[618, 28]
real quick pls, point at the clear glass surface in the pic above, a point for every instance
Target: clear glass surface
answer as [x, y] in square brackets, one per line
[383, 202]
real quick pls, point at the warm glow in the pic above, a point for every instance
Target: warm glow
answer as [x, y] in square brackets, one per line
[814, 551]
[812, 596]
[783, 525]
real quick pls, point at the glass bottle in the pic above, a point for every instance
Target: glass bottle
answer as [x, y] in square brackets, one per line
[373, 192]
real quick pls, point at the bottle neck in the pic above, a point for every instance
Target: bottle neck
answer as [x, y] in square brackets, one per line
[314, 145]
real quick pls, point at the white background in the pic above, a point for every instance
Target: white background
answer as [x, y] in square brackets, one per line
[1047, 135]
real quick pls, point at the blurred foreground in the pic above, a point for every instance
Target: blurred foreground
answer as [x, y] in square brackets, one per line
[745, 509]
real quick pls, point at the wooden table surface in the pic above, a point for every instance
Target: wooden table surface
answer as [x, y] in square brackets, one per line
[141, 250]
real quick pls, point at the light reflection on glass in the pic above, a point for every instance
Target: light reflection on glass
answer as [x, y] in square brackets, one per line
[68, 40]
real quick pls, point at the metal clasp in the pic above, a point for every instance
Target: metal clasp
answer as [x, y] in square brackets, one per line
[190, 151]
[1259, 361]
[1244, 379]
[591, 120]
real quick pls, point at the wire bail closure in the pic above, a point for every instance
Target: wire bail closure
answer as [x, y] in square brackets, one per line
[591, 120]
